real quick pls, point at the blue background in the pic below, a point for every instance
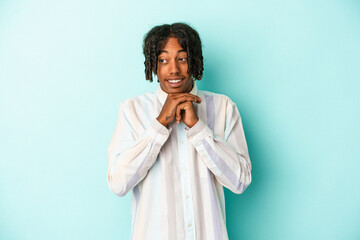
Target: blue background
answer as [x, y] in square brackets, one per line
[292, 67]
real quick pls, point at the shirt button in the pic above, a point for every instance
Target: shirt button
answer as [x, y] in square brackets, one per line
[185, 169]
[190, 138]
[204, 155]
[187, 196]
[189, 225]
[182, 141]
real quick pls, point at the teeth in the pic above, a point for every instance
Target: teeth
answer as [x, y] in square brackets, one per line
[175, 81]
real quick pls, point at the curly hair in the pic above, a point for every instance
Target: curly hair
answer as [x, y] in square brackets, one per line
[189, 40]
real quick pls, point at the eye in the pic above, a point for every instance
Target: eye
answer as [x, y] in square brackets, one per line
[182, 59]
[162, 60]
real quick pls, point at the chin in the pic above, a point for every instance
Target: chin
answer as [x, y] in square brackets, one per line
[178, 89]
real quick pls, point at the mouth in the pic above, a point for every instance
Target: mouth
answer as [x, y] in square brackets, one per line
[174, 83]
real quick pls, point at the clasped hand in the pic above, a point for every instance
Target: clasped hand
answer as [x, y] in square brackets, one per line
[179, 106]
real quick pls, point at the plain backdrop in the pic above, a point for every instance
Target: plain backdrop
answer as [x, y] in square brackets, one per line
[292, 68]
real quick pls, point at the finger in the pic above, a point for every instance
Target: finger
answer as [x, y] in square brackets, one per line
[178, 114]
[198, 99]
[185, 106]
[186, 98]
[181, 95]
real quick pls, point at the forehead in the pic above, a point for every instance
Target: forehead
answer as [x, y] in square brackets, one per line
[172, 45]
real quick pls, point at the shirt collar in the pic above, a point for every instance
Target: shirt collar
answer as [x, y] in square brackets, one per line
[163, 95]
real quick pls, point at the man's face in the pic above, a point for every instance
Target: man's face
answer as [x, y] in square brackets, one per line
[172, 68]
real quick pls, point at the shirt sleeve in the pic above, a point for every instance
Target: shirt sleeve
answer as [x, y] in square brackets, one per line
[227, 158]
[131, 157]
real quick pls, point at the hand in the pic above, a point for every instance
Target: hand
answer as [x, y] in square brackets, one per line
[185, 111]
[169, 110]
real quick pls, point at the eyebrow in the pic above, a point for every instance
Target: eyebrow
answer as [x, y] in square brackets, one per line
[182, 50]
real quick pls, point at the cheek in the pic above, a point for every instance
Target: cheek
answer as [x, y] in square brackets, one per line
[161, 70]
[184, 68]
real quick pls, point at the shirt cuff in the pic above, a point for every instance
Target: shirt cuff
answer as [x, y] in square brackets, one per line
[198, 132]
[158, 131]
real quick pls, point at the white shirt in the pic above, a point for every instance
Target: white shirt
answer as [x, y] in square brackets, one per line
[177, 174]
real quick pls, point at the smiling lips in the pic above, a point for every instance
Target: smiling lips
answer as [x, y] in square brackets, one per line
[174, 83]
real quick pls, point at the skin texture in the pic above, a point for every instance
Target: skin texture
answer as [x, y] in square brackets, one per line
[172, 64]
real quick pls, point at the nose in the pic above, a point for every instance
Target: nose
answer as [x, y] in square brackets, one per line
[174, 67]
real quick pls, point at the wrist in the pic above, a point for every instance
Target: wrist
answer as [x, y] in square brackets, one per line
[193, 123]
[162, 122]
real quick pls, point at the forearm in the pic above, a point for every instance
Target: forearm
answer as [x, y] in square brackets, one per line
[129, 162]
[228, 161]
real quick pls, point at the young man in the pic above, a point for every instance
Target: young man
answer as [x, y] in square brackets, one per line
[176, 148]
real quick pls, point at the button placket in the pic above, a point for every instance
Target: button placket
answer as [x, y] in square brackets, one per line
[186, 184]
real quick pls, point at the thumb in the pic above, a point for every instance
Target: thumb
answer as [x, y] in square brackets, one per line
[179, 108]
